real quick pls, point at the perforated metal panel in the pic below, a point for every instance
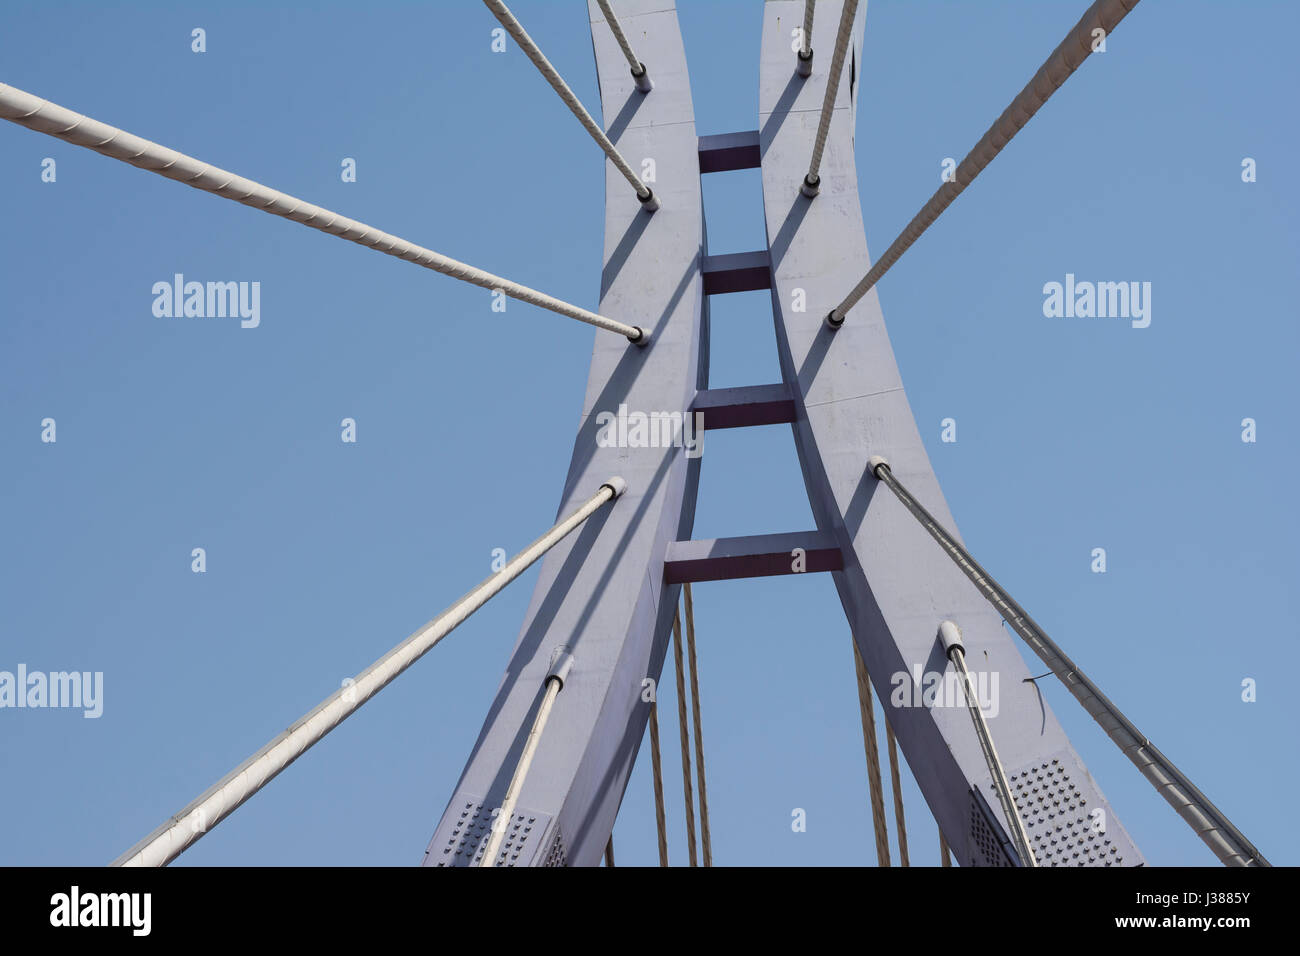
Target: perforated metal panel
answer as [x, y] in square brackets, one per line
[557, 855]
[1064, 816]
[463, 837]
[989, 843]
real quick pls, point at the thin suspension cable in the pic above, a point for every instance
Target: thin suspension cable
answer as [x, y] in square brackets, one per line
[1065, 59]
[501, 824]
[873, 758]
[609, 851]
[952, 646]
[43, 116]
[639, 72]
[215, 804]
[803, 59]
[502, 13]
[812, 182]
[660, 825]
[685, 735]
[943, 850]
[705, 843]
[898, 794]
[1211, 825]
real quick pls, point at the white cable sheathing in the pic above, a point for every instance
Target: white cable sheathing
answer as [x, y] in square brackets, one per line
[516, 30]
[832, 89]
[40, 115]
[501, 823]
[1065, 59]
[1210, 824]
[222, 799]
[615, 28]
[1019, 836]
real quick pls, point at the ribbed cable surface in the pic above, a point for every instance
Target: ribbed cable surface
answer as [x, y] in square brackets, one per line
[657, 766]
[501, 822]
[832, 84]
[705, 843]
[808, 8]
[1003, 786]
[229, 793]
[1211, 825]
[686, 744]
[1065, 59]
[621, 37]
[873, 759]
[502, 13]
[43, 116]
[898, 794]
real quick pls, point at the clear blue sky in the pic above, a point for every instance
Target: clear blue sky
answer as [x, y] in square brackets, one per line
[177, 434]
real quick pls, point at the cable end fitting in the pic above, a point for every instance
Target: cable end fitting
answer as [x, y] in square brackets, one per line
[950, 638]
[875, 463]
[640, 338]
[649, 202]
[616, 485]
[643, 81]
[812, 185]
[803, 63]
[834, 319]
[561, 664]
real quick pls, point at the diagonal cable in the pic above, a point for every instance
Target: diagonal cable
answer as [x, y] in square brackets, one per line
[1103, 15]
[43, 116]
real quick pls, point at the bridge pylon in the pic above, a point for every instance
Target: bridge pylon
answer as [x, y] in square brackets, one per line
[606, 598]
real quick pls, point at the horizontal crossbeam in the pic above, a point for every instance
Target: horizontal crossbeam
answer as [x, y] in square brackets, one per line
[737, 272]
[727, 151]
[752, 556]
[745, 406]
